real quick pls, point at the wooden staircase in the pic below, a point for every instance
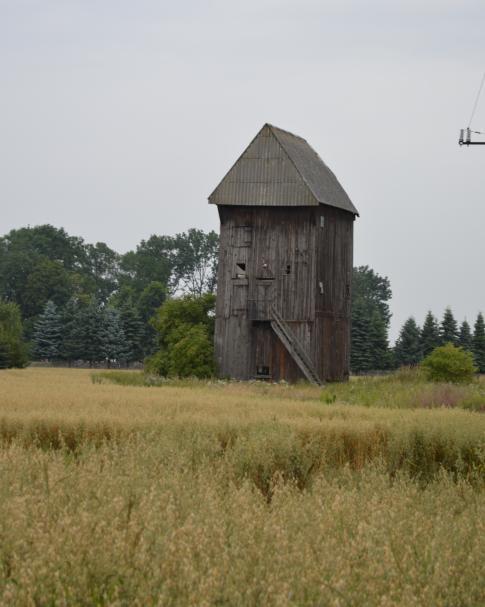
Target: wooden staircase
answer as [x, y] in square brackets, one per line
[294, 347]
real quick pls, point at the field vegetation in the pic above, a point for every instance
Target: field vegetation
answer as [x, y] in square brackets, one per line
[222, 493]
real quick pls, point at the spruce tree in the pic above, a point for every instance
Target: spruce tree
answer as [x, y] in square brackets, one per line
[133, 331]
[72, 331]
[114, 342]
[448, 328]
[92, 318]
[408, 345]
[47, 338]
[479, 343]
[465, 338]
[360, 353]
[379, 345]
[430, 334]
[83, 331]
[370, 321]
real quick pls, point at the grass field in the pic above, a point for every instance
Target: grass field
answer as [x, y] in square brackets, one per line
[196, 493]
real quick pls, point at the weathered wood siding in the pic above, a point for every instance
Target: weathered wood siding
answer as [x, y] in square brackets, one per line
[333, 307]
[301, 264]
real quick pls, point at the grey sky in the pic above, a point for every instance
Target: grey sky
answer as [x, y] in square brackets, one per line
[118, 118]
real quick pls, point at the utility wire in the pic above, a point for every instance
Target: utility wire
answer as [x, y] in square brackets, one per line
[476, 100]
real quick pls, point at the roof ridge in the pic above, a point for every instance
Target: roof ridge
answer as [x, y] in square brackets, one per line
[302, 177]
[305, 179]
[273, 127]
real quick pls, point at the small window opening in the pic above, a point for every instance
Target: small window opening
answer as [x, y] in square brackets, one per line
[288, 268]
[322, 221]
[262, 371]
[240, 270]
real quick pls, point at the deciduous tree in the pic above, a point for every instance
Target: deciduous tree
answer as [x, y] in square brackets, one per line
[14, 349]
[150, 300]
[4, 354]
[195, 262]
[185, 328]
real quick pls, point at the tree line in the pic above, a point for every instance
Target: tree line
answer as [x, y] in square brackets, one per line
[415, 343]
[78, 301]
[90, 332]
[371, 315]
[74, 301]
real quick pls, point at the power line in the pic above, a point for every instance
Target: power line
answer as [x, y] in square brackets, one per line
[477, 99]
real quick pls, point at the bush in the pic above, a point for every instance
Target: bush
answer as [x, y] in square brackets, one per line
[4, 355]
[13, 350]
[185, 328]
[449, 364]
[193, 355]
[157, 364]
[19, 354]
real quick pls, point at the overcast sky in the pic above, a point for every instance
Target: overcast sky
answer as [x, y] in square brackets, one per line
[118, 118]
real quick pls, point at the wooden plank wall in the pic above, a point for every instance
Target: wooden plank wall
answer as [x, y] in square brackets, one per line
[331, 346]
[287, 254]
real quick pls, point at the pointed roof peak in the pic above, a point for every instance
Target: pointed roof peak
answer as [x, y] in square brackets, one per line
[282, 170]
[274, 128]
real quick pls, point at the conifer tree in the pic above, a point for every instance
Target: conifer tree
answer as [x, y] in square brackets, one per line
[47, 338]
[378, 342]
[133, 332]
[479, 343]
[84, 336]
[92, 332]
[448, 328]
[408, 345]
[360, 354]
[465, 338]
[370, 321]
[72, 331]
[430, 334]
[114, 341]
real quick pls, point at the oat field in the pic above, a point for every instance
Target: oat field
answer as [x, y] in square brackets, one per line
[195, 493]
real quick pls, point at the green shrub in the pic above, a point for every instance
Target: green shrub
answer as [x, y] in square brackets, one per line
[450, 364]
[13, 350]
[193, 354]
[185, 328]
[157, 364]
[4, 355]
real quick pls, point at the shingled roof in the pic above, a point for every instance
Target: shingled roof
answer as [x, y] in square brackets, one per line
[280, 169]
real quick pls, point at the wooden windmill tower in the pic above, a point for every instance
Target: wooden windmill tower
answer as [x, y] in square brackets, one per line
[285, 264]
